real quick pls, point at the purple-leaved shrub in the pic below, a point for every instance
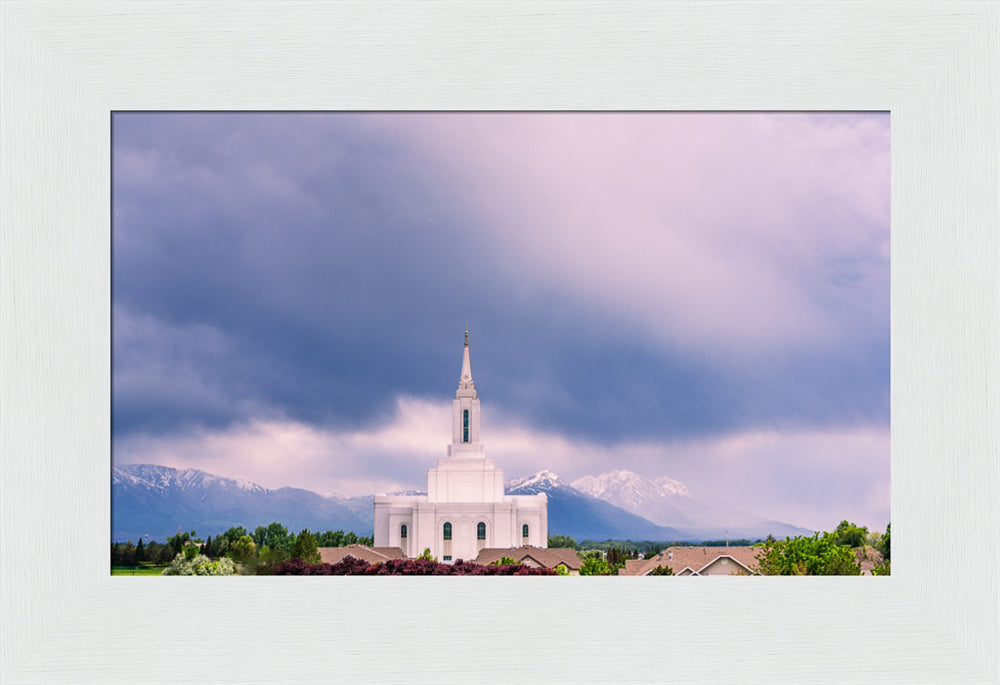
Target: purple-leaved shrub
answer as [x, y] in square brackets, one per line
[350, 566]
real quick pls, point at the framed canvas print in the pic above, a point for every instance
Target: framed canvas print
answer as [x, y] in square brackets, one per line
[232, 232]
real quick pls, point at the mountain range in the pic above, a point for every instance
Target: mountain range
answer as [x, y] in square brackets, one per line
[668, 502]
[160, 501]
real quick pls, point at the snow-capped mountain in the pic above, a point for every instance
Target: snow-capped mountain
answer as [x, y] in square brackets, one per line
[669, 502]
[583, 516]
[664, 501]
[159, 501]
[532, 485]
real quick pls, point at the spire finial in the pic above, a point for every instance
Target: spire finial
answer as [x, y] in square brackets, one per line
[466, 335]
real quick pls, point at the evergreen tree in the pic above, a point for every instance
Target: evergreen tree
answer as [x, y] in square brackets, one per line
[661, 571]
[305, 547]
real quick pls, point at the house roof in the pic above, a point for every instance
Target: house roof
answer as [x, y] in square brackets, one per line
[331, 555]
[547, 557]
[695, 559]
[390, 552]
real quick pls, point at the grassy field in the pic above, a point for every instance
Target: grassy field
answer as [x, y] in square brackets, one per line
[140, 571]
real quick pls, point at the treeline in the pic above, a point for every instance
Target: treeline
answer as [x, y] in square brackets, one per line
[259, 551]
[839, 553]
[152, 553]
[641, 547]
[637, 548]
[604, 558]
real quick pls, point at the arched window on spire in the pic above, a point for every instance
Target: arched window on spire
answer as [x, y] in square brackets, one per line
[481, 531]
[402, 531]
[447, 531]
[524, 531]
[465, 426]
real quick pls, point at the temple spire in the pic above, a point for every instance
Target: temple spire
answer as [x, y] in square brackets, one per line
[465, 381]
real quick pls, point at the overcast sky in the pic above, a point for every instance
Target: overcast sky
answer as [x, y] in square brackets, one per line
[701, 296]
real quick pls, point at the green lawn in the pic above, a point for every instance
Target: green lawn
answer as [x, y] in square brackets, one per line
[140, 571]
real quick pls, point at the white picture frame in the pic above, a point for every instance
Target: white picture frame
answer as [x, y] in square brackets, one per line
[66, 66]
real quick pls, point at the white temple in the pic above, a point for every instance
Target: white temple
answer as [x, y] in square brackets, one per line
[465, 508]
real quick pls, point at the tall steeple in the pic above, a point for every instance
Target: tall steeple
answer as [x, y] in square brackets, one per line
[465, 386]
[465, 412]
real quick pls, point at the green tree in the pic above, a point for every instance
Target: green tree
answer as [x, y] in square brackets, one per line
[819, 555]
[305, 547]
[277, 538]
[562, 541]
[235, 533]
[243, 551]
[177, 542]
[597, 566]
[123, 554]
[221, 546]
[851, 535]
[505, 561]
[426, 554]
[661, 571]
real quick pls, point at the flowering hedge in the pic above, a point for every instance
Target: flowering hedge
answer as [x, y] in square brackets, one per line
[200, 565]
[349, 566]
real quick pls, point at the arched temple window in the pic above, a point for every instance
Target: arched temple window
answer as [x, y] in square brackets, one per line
[481, 531]
[465, 426]
[524, 530]
[447, 531]
[402, 531]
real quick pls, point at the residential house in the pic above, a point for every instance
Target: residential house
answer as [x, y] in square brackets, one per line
[535, 557]
[698, 561]
[371, 555]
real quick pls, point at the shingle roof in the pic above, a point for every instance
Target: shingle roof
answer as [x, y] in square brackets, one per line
[331, 555]
[547, 557]
[695, 558]
[390, 552]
